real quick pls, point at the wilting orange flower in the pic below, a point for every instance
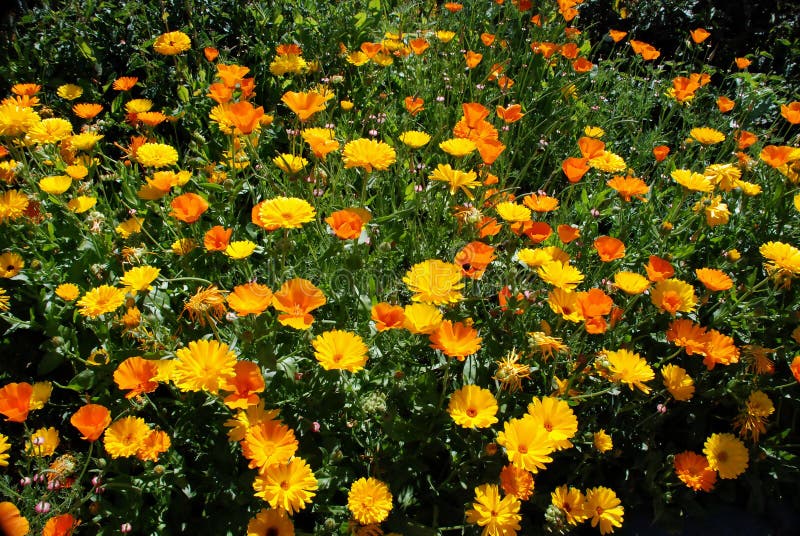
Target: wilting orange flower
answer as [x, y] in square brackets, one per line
[714, 280]
[510, 114]
[725, 104]
[414, 105]
[699, 35]
[346, 224]
[387, 316]
[456, 339]
[217, 238]
[693, 470]
[15, 401]
[617, 35]
[658, 269]
[791, 112]
[138, 375]
[296, 299]
[609, 248]
[575, 168]
[775, 155]
[250, 299]
[125, 83]
[742, 63]
[304, 104]
[245, 385]
[91, 420]
[474, 258]
[188, 207]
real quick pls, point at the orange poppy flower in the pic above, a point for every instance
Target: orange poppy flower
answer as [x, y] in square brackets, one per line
[188, 207]
[724, 104]
[15, 399]
[488, 226]
[742, 63]
[683, 88]
[575, 168]
[453, 7]
[245, 117]
[582, 65]
[217, 238]
[568, 233]
[387, 316]
[637, 46]
[540, 203]
[489, 150]
[138, 375]
[296, 299]
[714, 280]
[487, 39]
[346, 224]
[12, 523]
[745, 139]
[474, 259]
[504, 297]
[660, 152]
[250, 299]
[537, 20]
[60, 525]
[474, 114]
[699, 35]
[591, 147]
[245, 385]
[775, 155]
[473, 59]
[609, 248]
[658, 269]
[617, 35]
[536, 231]
[210, 53]
[456, 339]
[414, 105]
[304, 104]
[370, 49]
[569, 51]
[650, 53]
[91, 420]
[419, 45]
[594, 303]
[510, 114]
[791, 112]
[231, 75]
[795, 367]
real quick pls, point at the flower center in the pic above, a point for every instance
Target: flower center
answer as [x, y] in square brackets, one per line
[284, 485]
[471, 412]
[522, 449]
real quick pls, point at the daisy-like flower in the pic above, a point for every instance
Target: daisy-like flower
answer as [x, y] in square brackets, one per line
[414, 138]
[138, 279]
[369, 500]
[85, 141]
[172, 43]
[608, 162]
[631, 283]
[12, 205]
[282, 213]
[124, 437]
[726, 455]
[723, 176]
[267, 443]
[43, 442]
[272, 522]
[87, 110]
[602, 441]
[245, 386]
[781, 257]
[527, 443]
[714, 280]
[540, 203]
[156, 155]
[707, 136]
[5, 446]
[435, 282]
[604, 508]
[456, 339]
[69, 91]
[516, 482]
[458, 147]
[250, 299]
[692, 469]
[205, 303]
[556, 418]
[679, 384]
[696, 182]
[340, 350]
[50, 130]
[289, 163]
[101, 300]
[81, 204]
[561, 275]
[240, 249]
[124, 83]
[673, 295]
[203, 365]
[628, 187]
[16, 120]
[421, 318]
[512, 212]
[289, 486]
[571, 503]
[629, 368]
[11, 264]
[498, 517]
[368, 154]
[55, 184]
[473, 407]
[458, 180]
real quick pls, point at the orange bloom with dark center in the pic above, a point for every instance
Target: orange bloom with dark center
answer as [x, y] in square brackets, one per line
[776, 155]
[245, 385]
[791, 112]
[296, 299]
[575, 168]
[15, 399]
[510, 114]
[628, 187]
[60, 525]
[304, 104]
[660, 152]
[138, 375]
[91, 420]
[568, 233]
[387, 316]
[609, 248]
[474, 258]
[658, 269]
[217, 238]
[456, 339]
[188, 207]
[250, 299]
[346, 224]
[693, 470]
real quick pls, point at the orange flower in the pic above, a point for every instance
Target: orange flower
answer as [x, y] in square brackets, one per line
[660, 152]
[371, 49]
[540, 203]
[687, 335]
[628, 187]
[231, 75]
[488, 226]
[296, 299]
[713, 280]
[188, 207]
[346, 224]
[725, 104]
[658, 269]
[304, 104]
[12, 523]
[387, 316]
[609, 248]
[217, 238]
[474, 258]
[245, 117]
[569, 51]
[125, 83]
[220, 93]
[719, 350]
[775, 155]
[210, 53]
[591, 147]
[138, 375]
[473, 59]
[510, 114]
[419, 45]
[536, 231]
[86, 110]
[60, 525]
[453, 7]
[568, 233]
[245, 385]
[575, 168]
[582, 65]
[414, 105]
[594, 303]
[15, 401]
[791, 112]
[91, 420]
[745, 139]
[617, 35]
[742, 63]
[456, 339]
[487, 39]
[250, 299]
[699, 35]
[650, 53]
[795, 367]
[288, 48]
[693, 470]
[474, 114]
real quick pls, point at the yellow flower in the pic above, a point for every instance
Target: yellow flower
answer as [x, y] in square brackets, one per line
[182, 246]
[510, 372]
[724, 176]
[10, 264]
[421, 318]
[268, 442]
[630, 282]
[81, 204]
[77, 171]
[203, 365]
[602, 441]
[41, 394]
[528, 445]
[69, 91]
[172, 43]
[274, 521]
[608, 162]
[716, 212]
[12, 205]
[283, 213]
[369, 500]
[498, 517]
[414, 138]
[4, 300]
[560, 274]
[125, 436]
[16, 120]
[50, 130]
[556, 418]
[696, 182]
[679, 384]
[289, 163]
[43, 442]
[707, 136]
[288, 486]
[435, 282]
[68, 291]
[288, 63]
[782, 257]
[139, 278]
[458, 147]
[513, 212]
[240, 249]
[129, 227]
[673, 295]
[464, 180]
[604, 508]
[571, 503]
[85, 140]
[157, 155]
[340, 350]
[5, 446]
[726, 455]
[137, 106]
[629, 368]
[472, 406]
[101, 300]
[594, 132]
[368, 154]
[445, 36]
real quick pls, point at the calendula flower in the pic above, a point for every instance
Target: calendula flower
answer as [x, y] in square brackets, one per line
[414, 139]
[608, 162]
[267, 443]
[69, 91]
[289, 486]
[609, 248]
[781, 257]
[679, 384]
[289, 163]
[458, 147]
[346, 224]
[571, 503]
[458, 180]
[498, 517]
[692, 469]
[138, 279]
[304, 104]
[696, 182]
[516, 482]
[240, 249]
[472, 406]
[129, 227]
[272, 522]
[282, 213]
[512, 212]
[340, 350]
[172, 43]
[205, 304]
[368, 154]
[630, 282]
[556, 418]
[707, 136]
[714, 280]
[604, 508]
[528, 445]
[156, 155]
[435, 282]
[125, 436]
[629, 368]
[628, 187]
[124, 83]
[387, 316]
[203, 365]
[188, 207]
[101, 300]
[11, 264]
[85, 141]
[153, 445]
[560, 274]
[5, 446]
[752, 420]
[369, 500]
[12, 205]
[245, 386]
[421, 318]
[602, 441]
[673, 295]
[726, 455]
[137, 106]
[50, 130]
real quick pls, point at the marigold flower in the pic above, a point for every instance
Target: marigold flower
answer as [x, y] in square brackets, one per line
[692, 469]
[496, 516]
[714, 280]
[267, 443]
[203, 365]
[414, 138]
[204, 304]
[726, 455]
[15, 401]
[556, 418]
[602, 441]
[516, 482]
[472, 406]
[240, 249]
[435, 282]
[608, 162]
[628, 187]
[138, 375]
[629, 368]
[707, 136]
[456, 339]
[617, 35]
[421, 318]
[561, 275]
[369, 500]
[463, 180]
[101, 300]
[274, 521]
[575, 168]
[528, 445]
[719, 349]
[288, 486]
[124, 437]
[156, 155]
[124, 83]
[571, 502]
[673, 295]
[282, 213]
[603, 506]
[368, 154]
[742, 63]
[172, 43]
[296, 299]
[699, 35]
[91, 420]
[50, 130]
[679, 384]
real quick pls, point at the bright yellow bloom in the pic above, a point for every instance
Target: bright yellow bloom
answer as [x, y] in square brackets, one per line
[556, 418]
[50, 130]
[68, 291]
[101, 300]
[528, 445]
[608, 162]
[172, 43]
[458, 147]
[157, 155]
[421, 318]
[571, 503]
[707, 136]
[138, 279]
[203, 365]
[69, 91]
[435, 282]
[629, 368]
[368, 154]
[726, 454]
[125, 436]
[498, 517]
[560, 275]
[512, 212]
[340, 350]
[631, 283]
[289, 486]
[414, 138]
[472, 406]
[240, 249]
[463, 180]
[16, 120]
[55, 184]
[283, 213]
[289, 163]
[696, 182]
[679, 384]
[602, 441]
[603, 506]
[43, 442]
[369, 500]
